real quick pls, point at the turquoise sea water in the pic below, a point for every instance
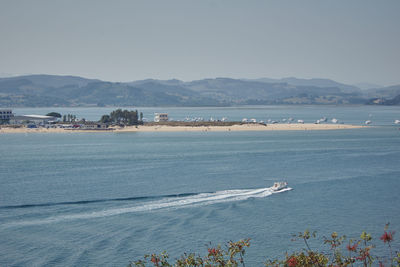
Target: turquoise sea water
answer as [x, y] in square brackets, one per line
[104, 198]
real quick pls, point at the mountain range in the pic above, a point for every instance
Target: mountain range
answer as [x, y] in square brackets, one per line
[55, 90]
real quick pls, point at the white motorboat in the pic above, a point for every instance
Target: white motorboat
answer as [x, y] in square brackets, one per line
[279, 186]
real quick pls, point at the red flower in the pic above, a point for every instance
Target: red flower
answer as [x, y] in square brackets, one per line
[353, 247]
[213, 251]
[363, 254]
[292, 262]
[387, 237]
[362, 257]
[154, 259]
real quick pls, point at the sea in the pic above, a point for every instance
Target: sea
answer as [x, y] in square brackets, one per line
[106, 199]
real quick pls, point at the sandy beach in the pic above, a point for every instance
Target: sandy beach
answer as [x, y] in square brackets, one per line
[165, 128]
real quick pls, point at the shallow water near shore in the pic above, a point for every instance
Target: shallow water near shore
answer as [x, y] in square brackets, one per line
[89, 199]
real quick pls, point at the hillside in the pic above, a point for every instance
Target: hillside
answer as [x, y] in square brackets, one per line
[53, 90]
[256, 92]
[384, 92]
[315, 82]
[75, 91]
[395, 101]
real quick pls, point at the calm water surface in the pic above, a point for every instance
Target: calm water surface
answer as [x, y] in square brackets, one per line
[105, 199]
[379, 115]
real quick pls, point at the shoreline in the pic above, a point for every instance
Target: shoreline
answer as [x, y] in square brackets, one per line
[166, 128]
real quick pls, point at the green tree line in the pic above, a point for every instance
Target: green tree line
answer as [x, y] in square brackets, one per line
[123, 117]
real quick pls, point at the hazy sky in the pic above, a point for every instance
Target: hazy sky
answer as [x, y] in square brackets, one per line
[346, 40]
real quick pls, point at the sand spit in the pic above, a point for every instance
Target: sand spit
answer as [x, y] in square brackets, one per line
[166, 128]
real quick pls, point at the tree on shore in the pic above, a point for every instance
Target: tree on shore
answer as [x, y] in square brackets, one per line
[68, 118]
[105, 119]
[122, 117]
[54, 114]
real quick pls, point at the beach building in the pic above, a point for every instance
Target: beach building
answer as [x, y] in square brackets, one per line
[160, 117]
[5, 115]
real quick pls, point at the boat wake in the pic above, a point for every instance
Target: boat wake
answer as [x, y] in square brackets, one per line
[83, 202]
[169, 202]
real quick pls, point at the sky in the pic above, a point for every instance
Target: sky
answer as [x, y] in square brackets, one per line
[349, 41]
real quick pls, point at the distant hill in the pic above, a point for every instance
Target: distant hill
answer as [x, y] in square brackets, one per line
[384, 92]
[53, 90]
[49, 90]
[316, 82]
[51, 80]
[395, 101]
[366, 86]
[260, 92]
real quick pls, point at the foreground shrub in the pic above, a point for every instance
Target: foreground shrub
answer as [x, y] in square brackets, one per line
[232, 255]
[339, 251]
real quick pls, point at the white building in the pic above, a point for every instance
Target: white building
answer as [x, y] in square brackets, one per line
[160, 117]
[6, 115]
[36, 119]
